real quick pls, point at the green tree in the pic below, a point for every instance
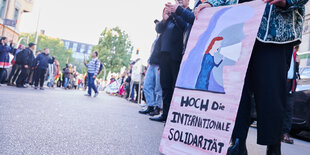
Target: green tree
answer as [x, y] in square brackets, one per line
[114, 49]
[56, 47]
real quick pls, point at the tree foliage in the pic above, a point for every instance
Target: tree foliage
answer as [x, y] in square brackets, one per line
[56, 47]
[114, 49]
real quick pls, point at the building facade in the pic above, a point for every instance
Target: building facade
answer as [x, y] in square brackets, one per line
[80, 50]
[13, 10]
[305, 45]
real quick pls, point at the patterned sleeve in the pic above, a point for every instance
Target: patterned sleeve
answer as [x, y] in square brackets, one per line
[216, 3]
[295, 4]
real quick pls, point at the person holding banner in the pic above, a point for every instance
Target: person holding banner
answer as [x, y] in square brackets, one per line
[172, 29]
[280, 31]
[93, 69]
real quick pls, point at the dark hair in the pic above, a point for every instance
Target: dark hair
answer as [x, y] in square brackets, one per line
[2, 38]
[156, 21]
[96, 52]
[31, 44]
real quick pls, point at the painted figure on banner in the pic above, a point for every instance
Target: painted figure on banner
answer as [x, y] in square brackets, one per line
[208, 64]
[219, 46]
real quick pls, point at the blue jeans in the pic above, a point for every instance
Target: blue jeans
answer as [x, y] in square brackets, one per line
[91, 83]
[152, 88]
[132, 95]
[66, 82]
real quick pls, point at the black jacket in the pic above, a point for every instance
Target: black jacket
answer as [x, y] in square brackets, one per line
[155, 53]
[27, 57]
[172, 32]
[43, 60]
[189, 16]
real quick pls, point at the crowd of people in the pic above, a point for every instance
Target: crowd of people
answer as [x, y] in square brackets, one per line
[33, 70]
[267, 81]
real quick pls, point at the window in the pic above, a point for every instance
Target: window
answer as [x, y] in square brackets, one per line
[89, 49]
[82, 49]
[16, 14]
[67, 44]
[2, 8]
[74, 48]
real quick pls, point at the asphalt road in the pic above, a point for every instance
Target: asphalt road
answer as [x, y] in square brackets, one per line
[55, 121]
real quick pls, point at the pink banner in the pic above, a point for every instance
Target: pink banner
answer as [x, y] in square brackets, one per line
[209, 86]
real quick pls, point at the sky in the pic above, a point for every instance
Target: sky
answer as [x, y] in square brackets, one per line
[83, 21]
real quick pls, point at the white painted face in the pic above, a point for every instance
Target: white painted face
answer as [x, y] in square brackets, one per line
[216, 47]
[232, 52]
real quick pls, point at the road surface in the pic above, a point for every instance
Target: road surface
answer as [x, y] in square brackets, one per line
[56, 121]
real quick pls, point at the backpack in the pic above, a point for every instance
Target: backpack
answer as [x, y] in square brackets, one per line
[100, 68]
[19, 57]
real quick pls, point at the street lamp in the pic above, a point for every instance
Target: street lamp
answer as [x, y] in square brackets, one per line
[37, 33]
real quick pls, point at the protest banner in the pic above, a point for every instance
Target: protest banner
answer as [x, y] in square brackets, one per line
[114, 86]
[209, 85]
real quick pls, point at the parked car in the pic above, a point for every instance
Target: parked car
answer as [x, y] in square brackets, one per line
[301, 115]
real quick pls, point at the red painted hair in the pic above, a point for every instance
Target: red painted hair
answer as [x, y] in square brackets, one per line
[212, 43]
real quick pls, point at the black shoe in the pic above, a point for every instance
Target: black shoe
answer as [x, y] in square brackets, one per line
[148, 110]
[274, 149]
[9, 84]
[87, 95]
[237, 147]
[35, 87]
[41, 88]
[161, 118]
[156, 111]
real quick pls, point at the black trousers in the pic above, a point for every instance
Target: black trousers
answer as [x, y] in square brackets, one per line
[127, 87]
[266, 79]
[40, 77]
[289, 108]
[22, 76]
[14, 73]
[169, 70]
[2, 74]
[136, 85]
[32, 76]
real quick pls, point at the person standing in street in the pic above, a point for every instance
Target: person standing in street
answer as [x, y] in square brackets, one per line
[151, 88]
[5, 49]
[27, 57]
[266, 77]
[92, 71]
[172, 29]
[67, 74]
[42, 62]
[33, 73]
[136, 79]
[16, 67]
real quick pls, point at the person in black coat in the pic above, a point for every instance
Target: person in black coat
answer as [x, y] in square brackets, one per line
[42, 62]
[188, 15]
[172, 29]
[26, 62]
